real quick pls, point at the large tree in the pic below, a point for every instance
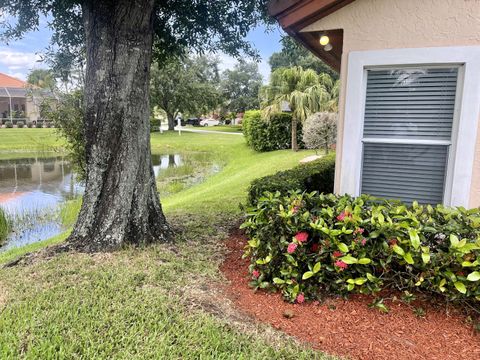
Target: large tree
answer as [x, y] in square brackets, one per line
[294, 54]
[185, 84]
[117, 37]
[240, 87]
[304, 92]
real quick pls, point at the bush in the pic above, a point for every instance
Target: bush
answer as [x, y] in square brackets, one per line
[271, 134]
[48, 124]
[67, 116]
[39, 125]
[29, 124]
[20, 124]
[306, 244]
[317, 175]
[9, 124]
[320, 131]
[154, 124]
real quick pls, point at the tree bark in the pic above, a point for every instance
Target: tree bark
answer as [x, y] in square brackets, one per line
[294, 134]
[121, 203]
[171, 121]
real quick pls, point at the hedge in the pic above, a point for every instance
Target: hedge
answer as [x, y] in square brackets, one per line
[306, 245]
[317, 175]
[269, 135]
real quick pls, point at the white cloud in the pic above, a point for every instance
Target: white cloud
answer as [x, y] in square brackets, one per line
[18, 62]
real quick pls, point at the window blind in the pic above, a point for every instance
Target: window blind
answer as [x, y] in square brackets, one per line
[407, 132]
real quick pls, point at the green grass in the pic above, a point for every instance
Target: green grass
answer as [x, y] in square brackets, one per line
[43, 140]
[224, 128]
[157, 302]
[223, 192]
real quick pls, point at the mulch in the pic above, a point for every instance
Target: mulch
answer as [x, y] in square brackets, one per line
[349, 327]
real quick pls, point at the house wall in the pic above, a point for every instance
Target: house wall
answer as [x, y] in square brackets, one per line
[390, 24]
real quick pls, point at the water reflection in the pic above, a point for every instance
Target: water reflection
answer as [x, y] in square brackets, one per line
[32, 190]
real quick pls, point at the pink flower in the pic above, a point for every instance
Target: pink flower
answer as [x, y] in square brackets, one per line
[364, 241]
[295, 209]
[256, 274]
[315, 247]
[337, 254]
[342, 265]
[358, 231]
[302, 236]
[291, 248]
[343, 215]
[300, 298]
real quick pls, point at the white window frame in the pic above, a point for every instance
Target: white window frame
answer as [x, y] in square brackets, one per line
[465, 123]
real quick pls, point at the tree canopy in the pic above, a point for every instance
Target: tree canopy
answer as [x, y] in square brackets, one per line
[294, 54]
[42, 78]
[187, 85]
[303, 90]
[240, 87]
[178, 24]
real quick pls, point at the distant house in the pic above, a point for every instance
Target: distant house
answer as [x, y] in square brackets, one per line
[410, 93]
[19, 100]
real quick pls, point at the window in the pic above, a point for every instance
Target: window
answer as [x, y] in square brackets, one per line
[400, 122]
[407, 132]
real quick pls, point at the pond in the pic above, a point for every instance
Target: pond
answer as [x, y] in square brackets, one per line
[32, 190]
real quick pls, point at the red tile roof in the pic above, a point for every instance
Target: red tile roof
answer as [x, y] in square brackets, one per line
[11, 82]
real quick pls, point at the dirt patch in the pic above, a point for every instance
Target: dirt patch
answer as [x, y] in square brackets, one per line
[350, 328]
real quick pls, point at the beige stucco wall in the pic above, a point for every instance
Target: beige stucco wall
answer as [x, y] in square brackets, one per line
[388, 24]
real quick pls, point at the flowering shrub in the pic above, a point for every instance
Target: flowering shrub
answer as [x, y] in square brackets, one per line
[304, 244]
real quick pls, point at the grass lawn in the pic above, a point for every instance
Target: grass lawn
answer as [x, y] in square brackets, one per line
[43, 140]
[224, 128]
[161, 301]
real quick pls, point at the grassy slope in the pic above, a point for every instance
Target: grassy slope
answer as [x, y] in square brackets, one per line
[224, 128]
[150, 302]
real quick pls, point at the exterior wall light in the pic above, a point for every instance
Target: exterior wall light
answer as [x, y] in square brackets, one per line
[328, 47]
[324, 40]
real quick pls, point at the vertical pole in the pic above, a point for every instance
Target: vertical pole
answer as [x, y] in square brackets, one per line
[179, 124]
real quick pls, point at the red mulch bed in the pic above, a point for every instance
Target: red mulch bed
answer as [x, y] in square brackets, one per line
[350, 328]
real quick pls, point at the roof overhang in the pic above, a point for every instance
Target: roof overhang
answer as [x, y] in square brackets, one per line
[295, 15]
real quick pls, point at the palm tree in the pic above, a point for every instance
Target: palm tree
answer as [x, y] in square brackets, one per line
[305, 92]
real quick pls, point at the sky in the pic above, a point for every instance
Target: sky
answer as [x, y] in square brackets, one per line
[18, 58]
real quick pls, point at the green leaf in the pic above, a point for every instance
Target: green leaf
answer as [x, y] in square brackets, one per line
[454, 240]
[316, 268]
[278, 281]
[370, 277]
[460, 287]
[364, 261]
[343, 247]
[398, 250]
[307, 275]
[414, 238]
[350, 287]
[441, 286]
[349, 260]
[350, 281]
[408, 258]
[425, 258]
[360, 281]
[474, 276]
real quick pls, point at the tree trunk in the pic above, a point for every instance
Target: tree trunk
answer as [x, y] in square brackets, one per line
[121, 203]
[294, 134]
[171, 122]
